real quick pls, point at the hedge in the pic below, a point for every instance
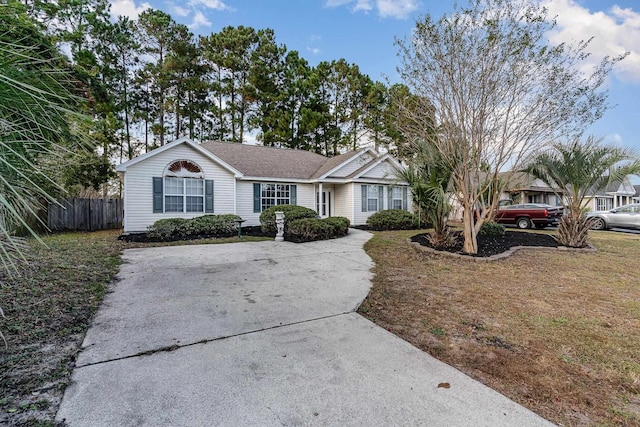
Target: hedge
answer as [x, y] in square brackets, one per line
[291, 213]
[392, 219]
[205, 225]
[310, 229]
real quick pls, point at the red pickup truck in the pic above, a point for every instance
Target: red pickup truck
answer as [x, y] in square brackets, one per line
[526, 215]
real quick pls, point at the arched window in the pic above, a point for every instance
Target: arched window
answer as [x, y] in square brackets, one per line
[184, 168]
[183, 188]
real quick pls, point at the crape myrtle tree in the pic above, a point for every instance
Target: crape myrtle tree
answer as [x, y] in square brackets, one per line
[579, 168]
[499, 92]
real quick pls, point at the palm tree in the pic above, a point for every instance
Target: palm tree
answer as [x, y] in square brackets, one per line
[428, 176]
[579, 168]
[36, 104]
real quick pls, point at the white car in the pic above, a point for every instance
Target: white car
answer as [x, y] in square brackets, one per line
[627, 216]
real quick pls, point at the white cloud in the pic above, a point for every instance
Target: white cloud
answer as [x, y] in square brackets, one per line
[127, 8]
[400, 9]
[210, 4]
[199, 20]
[364, 5]
[180, 11]
[314, 50]
[614, 31]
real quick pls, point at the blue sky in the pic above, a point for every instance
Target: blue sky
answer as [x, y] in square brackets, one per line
[363, 31]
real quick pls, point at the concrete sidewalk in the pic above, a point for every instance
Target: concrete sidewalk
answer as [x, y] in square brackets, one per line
[261, 334]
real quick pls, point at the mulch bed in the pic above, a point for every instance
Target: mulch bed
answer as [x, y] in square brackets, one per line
[494, 245]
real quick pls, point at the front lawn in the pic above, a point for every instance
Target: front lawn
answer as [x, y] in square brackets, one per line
[558, 332]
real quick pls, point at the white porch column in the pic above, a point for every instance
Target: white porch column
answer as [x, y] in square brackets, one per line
[320, 200]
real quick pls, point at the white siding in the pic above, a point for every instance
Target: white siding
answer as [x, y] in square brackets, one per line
[305, 194]
[384, 170]
[353, 165]
[343, 201]
[361, 217]
[138, 187]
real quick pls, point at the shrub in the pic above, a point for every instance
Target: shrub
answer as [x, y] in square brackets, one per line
[164, 228]
[205, 225]
[340, 225]
[492, 229]
[392, 219]
[309, 229]
[291, 213]
[215, 224]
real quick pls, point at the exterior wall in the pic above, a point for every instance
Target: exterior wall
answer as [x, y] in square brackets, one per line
[138, 187]
[383, 171]
[353, 166]
[360, 218]
[343, 201]
[305, 194]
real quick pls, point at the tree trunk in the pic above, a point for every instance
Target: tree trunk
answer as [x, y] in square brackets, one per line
[470, 238]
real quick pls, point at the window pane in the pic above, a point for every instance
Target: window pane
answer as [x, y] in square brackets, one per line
[195, 204]
[397, 193]
[397, 204]
[194, 186]
[173, 186]
[173, 204]
[274, 194]
[372, 205]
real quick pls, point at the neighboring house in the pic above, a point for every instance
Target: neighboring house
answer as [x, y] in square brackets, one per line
[636, 196]
[617, 194]
[524, 188]
[185, 179]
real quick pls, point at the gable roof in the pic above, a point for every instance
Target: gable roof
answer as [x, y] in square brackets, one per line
[334, 163]
[375, 162]
[259, 161]
[122, 167]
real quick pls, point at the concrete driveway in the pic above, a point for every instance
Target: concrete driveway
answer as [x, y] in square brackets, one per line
[261, 334]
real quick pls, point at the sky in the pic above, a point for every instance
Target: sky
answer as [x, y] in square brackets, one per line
[363, 32]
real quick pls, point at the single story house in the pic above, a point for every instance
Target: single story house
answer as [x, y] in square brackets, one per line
[617, 194]
[185, 179]
[524, 188]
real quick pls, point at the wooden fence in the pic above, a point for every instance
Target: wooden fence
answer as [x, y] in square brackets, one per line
[85, 214]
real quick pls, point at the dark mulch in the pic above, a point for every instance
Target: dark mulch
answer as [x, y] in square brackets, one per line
[494, 245]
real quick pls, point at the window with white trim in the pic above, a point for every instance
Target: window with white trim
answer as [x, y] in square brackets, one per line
[274, 194]
[372, 198]
[604, 204]
[183, 194]
[396, 198]
[182, 188]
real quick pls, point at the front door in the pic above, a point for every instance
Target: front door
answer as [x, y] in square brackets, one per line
[324, 207]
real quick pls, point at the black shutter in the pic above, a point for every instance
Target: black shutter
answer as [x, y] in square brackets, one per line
[157, 194]
[364, 197]
[293, 193]
[404, 198]
[208, 196]
[256, 198]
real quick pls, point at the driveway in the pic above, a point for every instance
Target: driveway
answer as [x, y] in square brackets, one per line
[261, 334]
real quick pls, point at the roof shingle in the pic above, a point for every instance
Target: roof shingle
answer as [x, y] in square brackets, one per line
[268, 162]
